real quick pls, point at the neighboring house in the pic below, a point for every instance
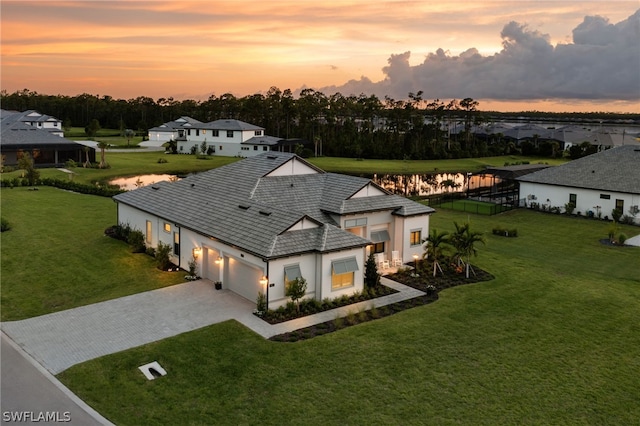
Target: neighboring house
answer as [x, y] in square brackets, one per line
[26, 132]
[597, 183]
[278, 216]
[173, 130]
[229, 138]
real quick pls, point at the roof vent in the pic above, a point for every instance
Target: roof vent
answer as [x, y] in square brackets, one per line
[265, 213]
[244, 206]
[193, 184]
[155, 187]
[271, 157]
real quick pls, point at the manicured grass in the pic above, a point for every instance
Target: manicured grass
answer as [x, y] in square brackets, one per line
[56, 256]
[139, 163]
[367, 167]
[132, 164]
[552, 340]
[472, 206]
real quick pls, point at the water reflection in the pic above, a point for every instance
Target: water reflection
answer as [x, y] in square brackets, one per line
[422, 184]
[134, 182]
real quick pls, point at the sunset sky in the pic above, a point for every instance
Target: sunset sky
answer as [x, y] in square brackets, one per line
[515, 55]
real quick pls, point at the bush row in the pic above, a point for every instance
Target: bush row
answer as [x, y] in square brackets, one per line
[498, 230]
[104, 191]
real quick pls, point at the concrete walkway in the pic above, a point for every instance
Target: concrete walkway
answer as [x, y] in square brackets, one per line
[63, 339]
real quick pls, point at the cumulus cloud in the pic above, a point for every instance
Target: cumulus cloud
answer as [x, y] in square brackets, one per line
[603, 62]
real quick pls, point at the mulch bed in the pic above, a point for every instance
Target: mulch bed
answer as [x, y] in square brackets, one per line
[424, 281]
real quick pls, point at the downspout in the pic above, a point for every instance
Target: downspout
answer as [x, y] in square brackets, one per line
[268, 285]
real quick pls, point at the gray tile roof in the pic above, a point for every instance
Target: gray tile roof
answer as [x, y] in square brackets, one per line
[616, 170]
[241, 206]
[183, 122]
[21, 135]
[229, 124]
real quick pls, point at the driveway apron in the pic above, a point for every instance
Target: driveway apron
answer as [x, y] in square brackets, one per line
[62, 339]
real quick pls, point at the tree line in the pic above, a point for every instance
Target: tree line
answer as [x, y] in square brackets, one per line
[362, 126]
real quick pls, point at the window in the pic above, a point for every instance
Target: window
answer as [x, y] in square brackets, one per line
[605, 196]
[181, 148]
[176, 243]
[167, 227]
[188, 132]
[229, 133]
[291, 272]
[573, 198]
[149, 235]
[353, 223]
[343, 273]
[415, 237]
[378, 247]
[204, 131]
[197, 132]
[620, 205]
[215, 133]
[258, 132]
[255, 147]
[265, 148]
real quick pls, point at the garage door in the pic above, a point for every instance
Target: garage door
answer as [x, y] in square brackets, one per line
[242, 278]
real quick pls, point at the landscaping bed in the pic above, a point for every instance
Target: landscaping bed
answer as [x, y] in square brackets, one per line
[422, 281]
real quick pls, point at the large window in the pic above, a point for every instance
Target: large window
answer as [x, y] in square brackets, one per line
[573, 198]
[167, 227]
[149, 236]
[415, 238]
[343, 273]
[378, 238]
[229, 133]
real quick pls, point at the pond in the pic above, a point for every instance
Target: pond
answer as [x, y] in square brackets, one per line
[134, 182]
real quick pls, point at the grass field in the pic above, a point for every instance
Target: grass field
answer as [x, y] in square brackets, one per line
[472, 206]
[124, 164]
[552, 340]
[56, 256]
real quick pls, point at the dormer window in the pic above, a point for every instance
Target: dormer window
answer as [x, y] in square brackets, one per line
[258, 133]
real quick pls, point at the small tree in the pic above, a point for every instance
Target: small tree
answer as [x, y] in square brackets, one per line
[296, 289]
[26, 163]
[464, 241]
[371, 275]
[434, 248]
[261, 304]
[92, 128]
[193, 268]
[569, 208]
[162, 256]
[129, 134]
[616, 214]
[203, 147]
[103, 163]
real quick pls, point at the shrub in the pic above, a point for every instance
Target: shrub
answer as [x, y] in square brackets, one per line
[371, 276]
[261, 304]
[616, 214]
[4, 225]
[622, 238]
[162, 256]
[70, 164]
[296, 289]
[569, 208]
[161, 161]
[136, 241]
[627, 220]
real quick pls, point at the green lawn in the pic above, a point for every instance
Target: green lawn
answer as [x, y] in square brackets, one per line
[139, 163]
[472, 206]
[552, 340]
[56, 256]
[355, 166]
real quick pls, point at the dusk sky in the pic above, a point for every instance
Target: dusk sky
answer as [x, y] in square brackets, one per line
[511, 56]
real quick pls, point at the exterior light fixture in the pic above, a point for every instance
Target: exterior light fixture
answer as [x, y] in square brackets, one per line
[264, 281]
[197, 251]
[219, 260]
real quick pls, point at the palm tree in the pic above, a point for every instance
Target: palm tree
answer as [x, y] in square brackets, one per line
[102, 145]
[434, 249]
[464, 240]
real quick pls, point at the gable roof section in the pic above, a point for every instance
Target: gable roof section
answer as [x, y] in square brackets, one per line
[615, 170]
[228, 124]
[241, 206]
[21, 135]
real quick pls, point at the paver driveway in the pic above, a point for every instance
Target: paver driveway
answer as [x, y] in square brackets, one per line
[63, 339]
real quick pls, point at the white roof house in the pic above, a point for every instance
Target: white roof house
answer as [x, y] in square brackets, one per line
[597, 183]
[276, 215]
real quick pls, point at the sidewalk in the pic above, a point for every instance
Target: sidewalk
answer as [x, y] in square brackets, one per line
[62, 339]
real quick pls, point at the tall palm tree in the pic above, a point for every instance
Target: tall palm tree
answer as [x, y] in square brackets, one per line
[464, 241]
[434, 248]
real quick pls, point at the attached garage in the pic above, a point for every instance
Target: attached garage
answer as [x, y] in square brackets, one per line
[242, 278]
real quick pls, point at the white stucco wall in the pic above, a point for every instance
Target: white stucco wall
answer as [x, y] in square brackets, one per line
[293, 167]
[586, 199]
[324, 265]
[368, 191]
[404, 227]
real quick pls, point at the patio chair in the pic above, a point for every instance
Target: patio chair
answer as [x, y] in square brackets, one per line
[382, 261]
[396, 260]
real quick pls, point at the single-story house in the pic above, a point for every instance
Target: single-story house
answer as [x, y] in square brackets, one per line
[45, 144]
[596, 184]
[275, 215]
